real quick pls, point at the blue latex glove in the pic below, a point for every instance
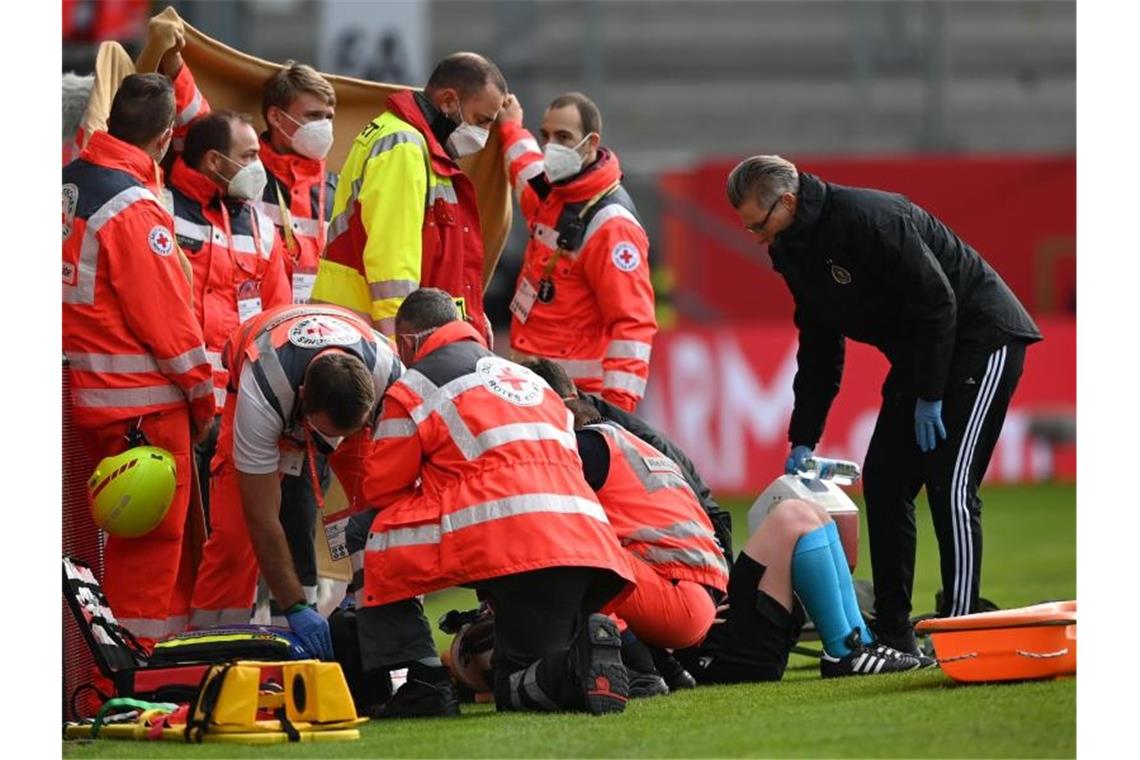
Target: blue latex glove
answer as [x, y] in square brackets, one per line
[313, 630]
[796, 459]
[928, 427]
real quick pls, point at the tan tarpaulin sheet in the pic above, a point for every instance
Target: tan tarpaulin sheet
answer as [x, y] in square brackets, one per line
[231, 79]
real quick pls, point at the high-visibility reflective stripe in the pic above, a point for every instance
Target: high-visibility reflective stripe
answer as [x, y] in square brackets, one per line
[275, 376]
[215, 618]
[612, 211]
[629, 349]
[302, 225]
[681, 530]
[111, 363]
[526, 504]
[83, 292]
[534, 691]
[521, 148]
[339, 224]
[192, 230]
[398, 428]
[525, 431]
[219, 396]
[98, 398]
[440, 400]
[525, 175]
[580, 369]
[488, 511]
[184, 362]
[204, 388]
[444, 192]
[661, 555]
[651, 480]
[436, 398]
[623, 381]
[215, 359]
[154, 628]
[391, 289]
[401, 537]
[190, 112]
[386, 326]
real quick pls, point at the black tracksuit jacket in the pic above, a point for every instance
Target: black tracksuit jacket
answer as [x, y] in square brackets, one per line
[874, 267]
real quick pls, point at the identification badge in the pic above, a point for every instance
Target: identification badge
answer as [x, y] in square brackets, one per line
[290, 462]
[660, 464]
[546, 290]
[248, 307]
[523, 301]
[303, 286]
[335, 533]
[249, 300]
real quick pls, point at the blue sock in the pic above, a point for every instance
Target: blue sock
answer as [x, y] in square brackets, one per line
[847, 585]
[815, 582]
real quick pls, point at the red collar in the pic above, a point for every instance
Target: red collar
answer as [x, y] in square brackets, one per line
[193, 183]
[452, 332]
[289, 167]
[404, 105]
[597, 177]
[110, 152]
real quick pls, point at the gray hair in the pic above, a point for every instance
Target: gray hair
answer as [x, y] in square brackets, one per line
[763, 178]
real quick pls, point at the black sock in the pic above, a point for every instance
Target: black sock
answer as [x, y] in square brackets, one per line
[635, 654]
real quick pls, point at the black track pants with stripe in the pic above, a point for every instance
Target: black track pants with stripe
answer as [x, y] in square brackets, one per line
[973, 411]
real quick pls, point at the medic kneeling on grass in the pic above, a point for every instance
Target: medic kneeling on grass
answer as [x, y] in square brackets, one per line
[302, 379]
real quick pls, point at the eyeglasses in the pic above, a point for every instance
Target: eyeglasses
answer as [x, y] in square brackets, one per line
[758, 227]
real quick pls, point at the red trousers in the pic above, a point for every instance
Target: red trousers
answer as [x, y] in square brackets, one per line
[148, 580]
[227, 576]
[663, 613]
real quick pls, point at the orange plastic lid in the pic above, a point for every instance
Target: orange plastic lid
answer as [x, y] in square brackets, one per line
[1049, 613]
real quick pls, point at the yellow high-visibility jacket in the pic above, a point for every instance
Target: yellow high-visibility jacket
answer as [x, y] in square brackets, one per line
[404, 215]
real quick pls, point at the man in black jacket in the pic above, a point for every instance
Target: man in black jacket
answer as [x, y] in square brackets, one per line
[872, 266]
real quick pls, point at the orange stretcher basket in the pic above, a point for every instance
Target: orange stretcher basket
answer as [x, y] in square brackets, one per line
[1007, 645]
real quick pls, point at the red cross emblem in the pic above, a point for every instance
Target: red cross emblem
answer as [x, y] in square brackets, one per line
[162, 239]
[626, 258]
[508, 377]
[318, 330]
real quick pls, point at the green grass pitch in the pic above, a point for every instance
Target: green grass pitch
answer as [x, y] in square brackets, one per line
[1030, 556]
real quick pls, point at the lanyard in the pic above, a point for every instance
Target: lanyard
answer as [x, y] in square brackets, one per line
[254, 226]
[314, 481]
[581, 215]
[287, 221]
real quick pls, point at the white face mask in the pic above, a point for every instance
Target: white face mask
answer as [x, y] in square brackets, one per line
[249, 182]
[312, 139]
[466, 139]
[560, 162]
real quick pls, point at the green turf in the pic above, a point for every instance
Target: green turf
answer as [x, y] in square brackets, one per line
[1030, 556]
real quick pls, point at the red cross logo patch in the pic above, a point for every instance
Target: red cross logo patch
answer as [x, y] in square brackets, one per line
[626, 256]
[323, 330]
[509, 381]
[160, 240]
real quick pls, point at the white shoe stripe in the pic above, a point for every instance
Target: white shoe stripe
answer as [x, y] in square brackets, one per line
[959, 506]
[879, 667]
[859, 662]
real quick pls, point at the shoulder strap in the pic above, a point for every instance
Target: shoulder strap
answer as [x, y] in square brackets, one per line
[572, 228]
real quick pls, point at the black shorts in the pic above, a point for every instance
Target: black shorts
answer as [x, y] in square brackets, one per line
[754, 642]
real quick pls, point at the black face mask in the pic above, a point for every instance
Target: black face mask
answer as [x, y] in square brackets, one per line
[440, 123]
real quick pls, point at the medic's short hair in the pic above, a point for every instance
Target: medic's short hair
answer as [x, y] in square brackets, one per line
[291, 80]
[467, 73]
[143, 108]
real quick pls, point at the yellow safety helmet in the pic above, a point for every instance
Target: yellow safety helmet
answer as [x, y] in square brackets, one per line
[130, 492]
